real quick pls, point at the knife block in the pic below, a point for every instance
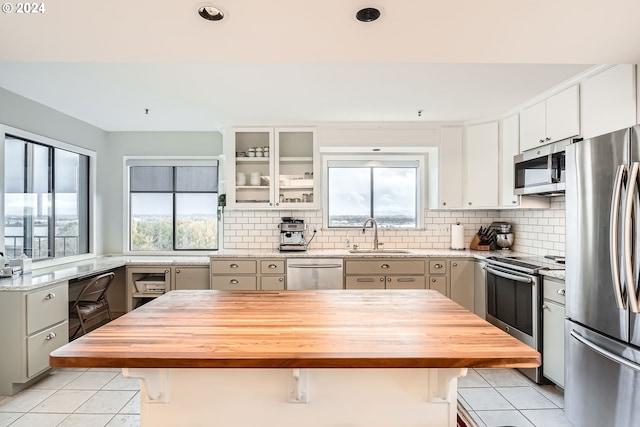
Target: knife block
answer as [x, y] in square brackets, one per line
[476, 246]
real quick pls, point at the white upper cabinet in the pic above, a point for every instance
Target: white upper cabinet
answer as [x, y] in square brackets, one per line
[510, 148]
[609, 101]
[272, 168]
[555, 118]
[450, 167]
[481, 171]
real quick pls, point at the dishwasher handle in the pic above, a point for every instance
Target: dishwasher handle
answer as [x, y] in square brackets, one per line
[314, 265]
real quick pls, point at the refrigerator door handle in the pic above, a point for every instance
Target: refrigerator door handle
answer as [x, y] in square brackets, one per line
[604, 352]
[613, 238]
[630, 278]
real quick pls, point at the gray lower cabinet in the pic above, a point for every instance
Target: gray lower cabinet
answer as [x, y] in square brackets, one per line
[34, 324]
[190, 277]
[147, 282]
[462, 282]
[553, 330]
[384, 273]
[439, 275]
[248, 274]
[480, 289]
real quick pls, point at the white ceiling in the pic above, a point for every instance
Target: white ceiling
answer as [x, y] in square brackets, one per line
[297, 61]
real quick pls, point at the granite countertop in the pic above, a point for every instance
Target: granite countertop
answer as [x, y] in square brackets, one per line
[556, 274]
[74, 270]
[344, 253]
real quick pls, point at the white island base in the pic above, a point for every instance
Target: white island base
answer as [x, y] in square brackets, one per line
[318, 397]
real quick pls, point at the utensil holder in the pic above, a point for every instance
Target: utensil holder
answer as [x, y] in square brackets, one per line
[476, 246]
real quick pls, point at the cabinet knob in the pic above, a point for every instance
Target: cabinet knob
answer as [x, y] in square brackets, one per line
[455, 264]
[544, 307]
[514, 202]
[50, 295]
[547, 138]
[541, 141]
[281, 279]
[270, 204]
[433, 280]
[166, 271]
[177, 271]
[382, 279]
[388, 279]
[444, 203]
[50, 336]
[233, 281]
[561, 292]
[437, 265]
[277, 203]
[385, 266]
[233, 265]
[272, 266]
[470, 203]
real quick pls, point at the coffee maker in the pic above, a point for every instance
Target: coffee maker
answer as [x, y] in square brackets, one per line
[292, 234]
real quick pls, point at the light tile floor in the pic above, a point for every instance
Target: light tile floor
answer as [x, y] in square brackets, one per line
[505, 397]
[74, 398]
[103, 397]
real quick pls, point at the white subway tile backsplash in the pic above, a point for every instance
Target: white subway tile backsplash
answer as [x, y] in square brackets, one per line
[537, 231]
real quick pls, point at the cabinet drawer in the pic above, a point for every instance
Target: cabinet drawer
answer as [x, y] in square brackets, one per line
[438, 267]
[41, 344]
[406, 282]
[438, 283]
[237, 283]
[272, 267]
[272, 283]
[47, 307]
[233, 266]
[364, 282]
[384, 266]
[553, 290]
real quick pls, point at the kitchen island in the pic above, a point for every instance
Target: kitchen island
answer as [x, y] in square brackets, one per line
[313, 358]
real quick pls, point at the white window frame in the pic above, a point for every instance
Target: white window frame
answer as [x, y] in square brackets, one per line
[92, 155]
[129, 161]
[390, 160]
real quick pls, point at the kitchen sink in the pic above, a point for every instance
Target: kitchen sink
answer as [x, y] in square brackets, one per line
[379, 251]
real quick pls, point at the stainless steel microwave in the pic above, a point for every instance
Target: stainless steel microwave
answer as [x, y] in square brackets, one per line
[541, 171]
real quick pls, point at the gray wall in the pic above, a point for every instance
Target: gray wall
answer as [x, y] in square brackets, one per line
[30, 116]
[145, 144]
[110, 147]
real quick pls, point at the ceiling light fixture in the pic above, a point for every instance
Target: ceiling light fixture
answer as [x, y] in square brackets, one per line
[210, 12]
[368, 14]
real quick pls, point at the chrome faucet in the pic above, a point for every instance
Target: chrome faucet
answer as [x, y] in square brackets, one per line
[375, 231]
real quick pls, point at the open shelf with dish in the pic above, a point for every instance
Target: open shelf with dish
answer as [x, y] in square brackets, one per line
[273, 167]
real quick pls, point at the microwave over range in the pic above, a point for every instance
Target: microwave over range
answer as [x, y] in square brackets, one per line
[541, 171]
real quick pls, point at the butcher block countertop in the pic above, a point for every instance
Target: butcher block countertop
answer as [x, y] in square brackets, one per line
[297, 329]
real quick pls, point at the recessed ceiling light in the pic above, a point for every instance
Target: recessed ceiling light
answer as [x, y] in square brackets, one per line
[210, 12]
[368, 14]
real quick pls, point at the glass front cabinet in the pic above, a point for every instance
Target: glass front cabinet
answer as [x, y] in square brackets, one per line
[272, 168]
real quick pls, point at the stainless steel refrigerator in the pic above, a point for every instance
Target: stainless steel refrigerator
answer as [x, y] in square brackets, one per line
[602, 330]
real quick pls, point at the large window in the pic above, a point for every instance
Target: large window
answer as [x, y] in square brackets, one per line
[46, 205]
[385, 191]
[173, 207]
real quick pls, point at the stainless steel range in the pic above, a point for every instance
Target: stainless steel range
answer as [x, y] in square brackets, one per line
[514, 292]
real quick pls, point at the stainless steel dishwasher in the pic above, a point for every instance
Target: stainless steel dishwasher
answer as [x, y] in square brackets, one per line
[314, 273]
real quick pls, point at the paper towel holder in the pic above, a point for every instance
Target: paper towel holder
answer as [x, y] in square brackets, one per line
[457, 237]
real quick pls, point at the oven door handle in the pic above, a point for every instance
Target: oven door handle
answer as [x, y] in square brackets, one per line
[506, 275]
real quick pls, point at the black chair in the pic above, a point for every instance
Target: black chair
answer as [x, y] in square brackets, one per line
[90, 304]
